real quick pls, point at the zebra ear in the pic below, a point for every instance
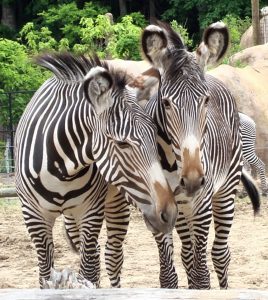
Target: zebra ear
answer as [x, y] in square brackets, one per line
[154, 45]
[97, 83]
[214, 45]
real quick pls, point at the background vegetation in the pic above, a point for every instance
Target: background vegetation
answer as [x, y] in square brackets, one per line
[29, 27]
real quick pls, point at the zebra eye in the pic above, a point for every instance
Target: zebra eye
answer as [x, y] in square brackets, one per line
[166, 103]
[206, 100]
[123, 145]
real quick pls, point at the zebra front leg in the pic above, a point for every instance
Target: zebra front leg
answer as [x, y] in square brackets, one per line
[89, 229]
[199, 274]
[117, 216]
[40, 231]
[183, 230]
[168, 276]
[193, 230]
[223, 213]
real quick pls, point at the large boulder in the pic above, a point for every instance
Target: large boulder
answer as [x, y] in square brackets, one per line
[133, 68]
[249, 86]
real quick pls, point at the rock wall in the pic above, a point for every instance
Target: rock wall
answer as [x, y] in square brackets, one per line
[249, 86]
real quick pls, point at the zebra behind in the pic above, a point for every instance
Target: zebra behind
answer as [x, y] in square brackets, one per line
[200, 147]
[251, 160]
[82, 132]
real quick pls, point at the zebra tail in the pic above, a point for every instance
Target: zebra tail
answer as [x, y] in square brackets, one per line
[252, 191]
[70, 241]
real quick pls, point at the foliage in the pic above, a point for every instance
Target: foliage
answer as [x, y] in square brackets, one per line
[208, 11]
[138, 19]
[125, 43]
[236, 28]
[17, 73]
[7, 32]
[182, 31]
[94, 35]
[118, 40]
[64, 20]
[37, 40]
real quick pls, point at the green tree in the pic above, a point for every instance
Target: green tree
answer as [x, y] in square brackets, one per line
[64, 20]
[37, 40]
[182, 31]
[125, 43]
[17, 73]
[196, 15]
[237, 27]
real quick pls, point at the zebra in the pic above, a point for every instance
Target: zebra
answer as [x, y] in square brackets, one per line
[248, 133]
[81, 142]
[200, 148]
[168, 276]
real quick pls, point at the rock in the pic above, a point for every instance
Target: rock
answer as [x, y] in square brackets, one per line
[250, 56]
[249, 86]
[66, 279]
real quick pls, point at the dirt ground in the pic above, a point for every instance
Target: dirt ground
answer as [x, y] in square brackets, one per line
[248, 243]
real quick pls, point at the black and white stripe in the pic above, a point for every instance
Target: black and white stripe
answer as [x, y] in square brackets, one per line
[251, 159]
[196, 114]
[82, 131]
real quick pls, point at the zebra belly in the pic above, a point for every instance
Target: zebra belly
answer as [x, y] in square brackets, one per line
[53, 195]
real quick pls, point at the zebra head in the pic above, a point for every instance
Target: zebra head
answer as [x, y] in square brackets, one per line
[124, 147]
[184, 95]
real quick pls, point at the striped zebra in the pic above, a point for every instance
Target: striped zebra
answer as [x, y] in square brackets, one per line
[251, 160]
[200, 148]
[80, 145]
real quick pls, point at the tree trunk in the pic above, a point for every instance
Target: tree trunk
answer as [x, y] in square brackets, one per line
[255, 21]
[151, 11]
[123, 7]
[8, 16]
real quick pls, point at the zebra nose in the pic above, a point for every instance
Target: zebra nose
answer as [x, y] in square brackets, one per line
[163, 217]
[192, 185]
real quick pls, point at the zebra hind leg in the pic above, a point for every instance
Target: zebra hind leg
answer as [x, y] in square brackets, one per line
[72, 233]
[40, 231]
[223, 213]
[89, 230]
[117, 215]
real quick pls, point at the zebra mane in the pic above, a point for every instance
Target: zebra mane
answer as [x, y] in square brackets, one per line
[70, 67]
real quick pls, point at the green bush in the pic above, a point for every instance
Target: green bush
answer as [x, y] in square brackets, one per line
[17, 73]
[138, 19]
[236, 28]
[125, 42]
[182, 31]
[64, 20]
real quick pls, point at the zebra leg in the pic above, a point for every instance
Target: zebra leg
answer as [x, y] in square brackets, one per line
[259, 166]
[168, 276]
[117, 216]
[89, 229]
[193, 231]
[223, 213]
[40, 231]
[72, 233]
[183, 231]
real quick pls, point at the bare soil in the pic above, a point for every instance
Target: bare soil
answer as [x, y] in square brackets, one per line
[248, 243]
